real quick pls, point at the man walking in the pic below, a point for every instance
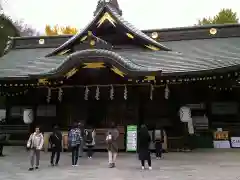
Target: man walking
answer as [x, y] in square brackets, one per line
[90, 141]
[74, 141]
[35, 144]
[55, 141]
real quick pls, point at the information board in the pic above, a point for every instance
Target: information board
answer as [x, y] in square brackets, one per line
[235, 142]
[131, 138]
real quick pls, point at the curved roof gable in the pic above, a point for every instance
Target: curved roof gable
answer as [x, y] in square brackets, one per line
[109, 13]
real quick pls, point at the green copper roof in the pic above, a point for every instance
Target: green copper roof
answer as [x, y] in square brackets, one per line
[188, 56]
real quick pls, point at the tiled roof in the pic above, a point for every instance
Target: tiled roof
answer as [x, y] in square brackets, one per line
[189, 56]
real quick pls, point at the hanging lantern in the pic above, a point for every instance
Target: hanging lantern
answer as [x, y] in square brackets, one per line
[125, 92]
[28, 116]
[97, 93]
[60, 94]
[86, 93]
[166, 93]
[151, 92]
[49, 95]
[185, 114]
[112, 93]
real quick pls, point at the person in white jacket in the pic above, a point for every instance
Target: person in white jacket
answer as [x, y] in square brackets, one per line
[35, 144]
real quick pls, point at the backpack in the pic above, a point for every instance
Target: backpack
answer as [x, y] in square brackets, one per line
[88, 136]
[159, 135]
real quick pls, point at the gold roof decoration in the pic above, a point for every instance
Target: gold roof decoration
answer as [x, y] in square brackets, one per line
[152, 47]
[89, 33]
[92, 42]
[94, 65]
[64, 52]
[43, 81]
[213, 31]
[71, 73]
[154, 35]
[105, 17]
[130, 35]
[117, 71]
[149, 78]
[83, 38]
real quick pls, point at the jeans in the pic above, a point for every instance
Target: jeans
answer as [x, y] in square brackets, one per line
[34, 153]
[75, 151]
[55, 151]
[149, 162]
[112, 156]
[158, 147]
[89, 151]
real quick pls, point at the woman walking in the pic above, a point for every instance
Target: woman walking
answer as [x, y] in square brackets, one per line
[35, 144]
[144, 151]
[90, 141]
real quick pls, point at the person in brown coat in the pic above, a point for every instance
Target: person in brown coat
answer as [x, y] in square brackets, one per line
[112, 145]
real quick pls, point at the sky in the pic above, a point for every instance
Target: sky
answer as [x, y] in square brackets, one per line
[143, 14]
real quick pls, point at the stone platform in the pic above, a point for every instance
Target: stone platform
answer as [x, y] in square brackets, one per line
[197, 165]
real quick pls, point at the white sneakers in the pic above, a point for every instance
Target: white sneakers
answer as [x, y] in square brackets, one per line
[150, 168]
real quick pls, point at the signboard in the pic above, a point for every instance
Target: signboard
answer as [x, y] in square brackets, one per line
[235, 142]
[131, 138]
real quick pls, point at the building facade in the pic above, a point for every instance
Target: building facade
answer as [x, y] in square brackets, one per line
[111, 71]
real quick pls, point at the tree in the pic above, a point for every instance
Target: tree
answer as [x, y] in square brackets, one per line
[25, 29]
[225, 16]
[57, 30]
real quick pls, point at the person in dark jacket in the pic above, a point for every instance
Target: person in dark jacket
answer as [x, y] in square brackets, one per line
[55, 141]
[143, 147]
[158, 138]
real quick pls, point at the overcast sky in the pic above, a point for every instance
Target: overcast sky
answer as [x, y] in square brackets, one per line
[144, 14]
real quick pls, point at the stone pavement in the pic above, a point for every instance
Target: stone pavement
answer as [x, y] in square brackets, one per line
[198, 165]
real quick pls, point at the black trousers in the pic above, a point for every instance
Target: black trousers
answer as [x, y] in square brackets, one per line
[1, 149]
[149, 162]
[158, 147]
[75, 150]
[55, 152]
[90, 151]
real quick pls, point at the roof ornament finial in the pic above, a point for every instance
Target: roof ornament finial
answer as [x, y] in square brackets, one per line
[112, 3]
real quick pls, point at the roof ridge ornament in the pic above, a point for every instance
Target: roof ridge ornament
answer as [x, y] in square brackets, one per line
[113, 3]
